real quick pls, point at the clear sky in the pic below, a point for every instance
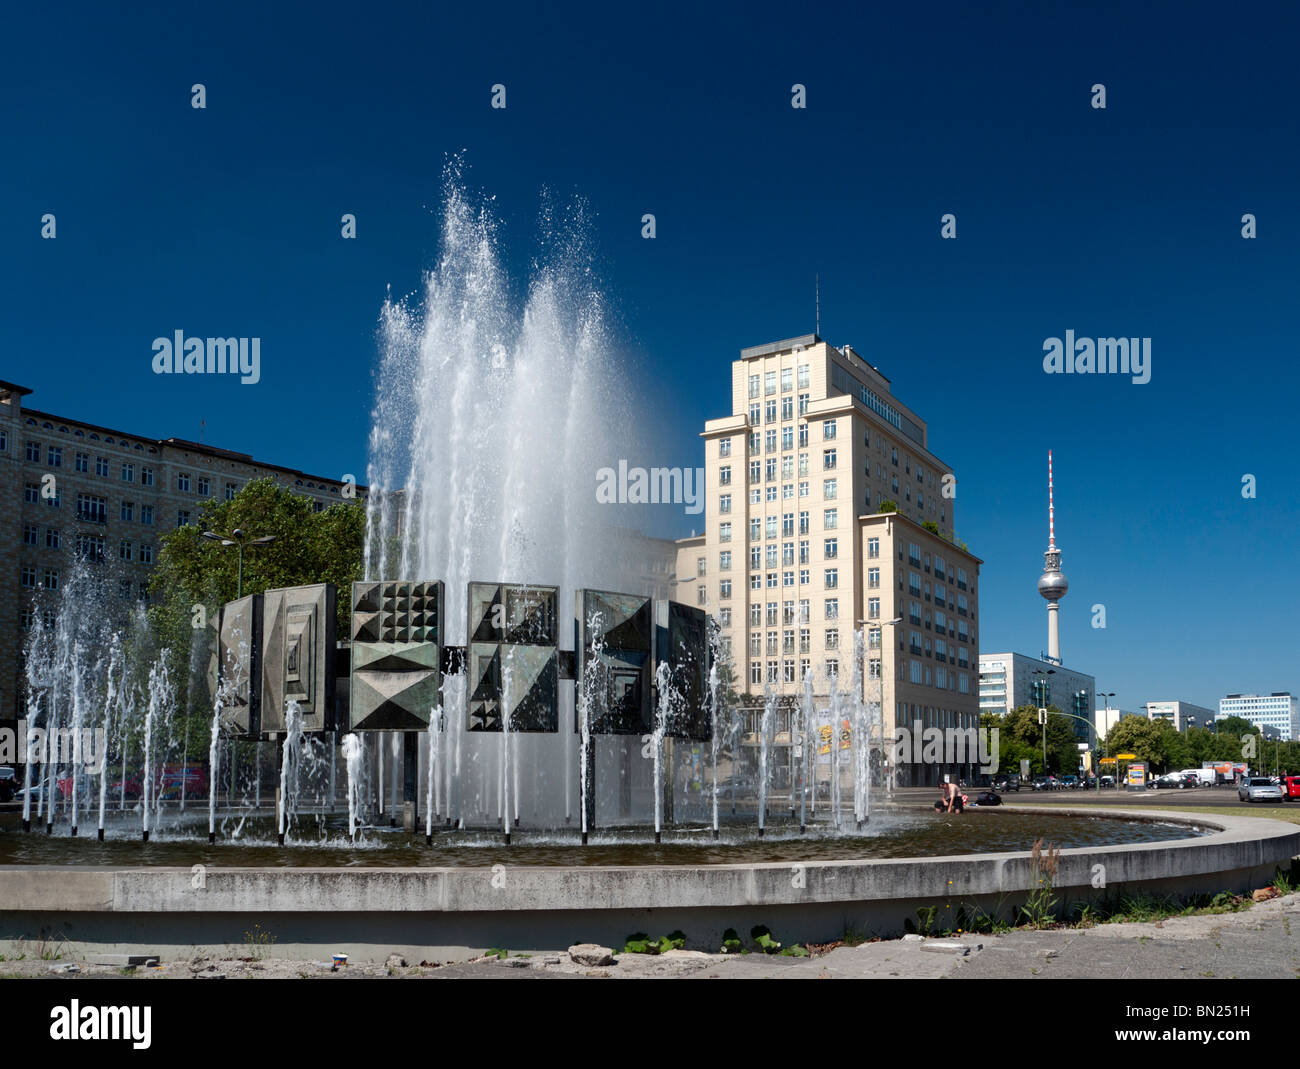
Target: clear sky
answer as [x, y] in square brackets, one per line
[1125, 221]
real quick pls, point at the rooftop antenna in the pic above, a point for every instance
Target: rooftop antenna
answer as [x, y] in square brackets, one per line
[1051, 506]
[817, 292]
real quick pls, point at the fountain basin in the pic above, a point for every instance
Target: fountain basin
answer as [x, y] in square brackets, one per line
[448, 913]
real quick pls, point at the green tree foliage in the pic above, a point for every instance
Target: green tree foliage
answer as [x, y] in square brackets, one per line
[1021, 736]
[195, 575]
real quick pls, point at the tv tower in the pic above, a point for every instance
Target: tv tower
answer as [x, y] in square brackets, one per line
[1052, 584]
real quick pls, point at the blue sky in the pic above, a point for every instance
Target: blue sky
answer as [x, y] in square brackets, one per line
[1123, 221]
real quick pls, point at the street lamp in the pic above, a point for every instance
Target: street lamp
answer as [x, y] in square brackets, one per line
[1042, 697]
[239, 540]
[1107, 695]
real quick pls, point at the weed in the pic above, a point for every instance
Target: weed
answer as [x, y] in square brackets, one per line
[763, 937]
[731, 943]
[258, 941]
[1039, 909]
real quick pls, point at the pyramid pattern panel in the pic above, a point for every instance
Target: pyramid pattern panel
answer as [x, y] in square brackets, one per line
[682, 639]
[513, 657]
[239, 666]
[620, 673]
[298, 644]
[396, 654]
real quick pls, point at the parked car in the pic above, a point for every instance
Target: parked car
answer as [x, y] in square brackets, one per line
[1291, 787]
[1259, 789]
[1189, 779]
[8, 782]
[1009, 782]
[1108, 781]
[1069, 782]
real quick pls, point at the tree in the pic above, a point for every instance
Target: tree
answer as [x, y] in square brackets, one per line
[195, 575]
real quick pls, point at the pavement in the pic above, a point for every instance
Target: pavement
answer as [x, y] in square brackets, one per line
[1260, 942]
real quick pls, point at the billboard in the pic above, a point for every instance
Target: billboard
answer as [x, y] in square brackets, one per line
[514, 672]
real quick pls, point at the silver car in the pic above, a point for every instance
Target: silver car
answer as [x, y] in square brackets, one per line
[1259, 789]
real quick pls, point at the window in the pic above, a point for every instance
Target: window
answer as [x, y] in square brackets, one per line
[724, 532]
[787, 408]
[832, 638]
[829, 489]
[32, 493]
[50, 579]
[34, 452]
[787, 524]
[803, 523]
[701, 594]
[724, 475]
[787, 440]
[803, 376]
[92, 509]
[831, 548]
[146, 553]
[771, 580]
[81, 462]
[205, 488]
[833, 667]
[55, 456]
[803, 463]
[182, 518]
[787, 578]
[787, 379]
[771, 643]
[803, 404]
[146, 515]
[769, 469]
[803, 551]
[803, 435]
[787, 553]
[128, 473]
[90, 547]
[756, 615]
[700, 565]
[756, 672]
[915, 671]
[831, 519]
[753, 386]
[805, 576]
[724, 617]
[769, 382]
[803, 488]
[4, 441]
[873, 608]
[769, 441]
[755, 472]
[755, 414]
[805, 609]
[828, 459]
[724, 502]
[832, 578]
[772, 609]
[832, 608]
[769, 412]
[805, 666]
[31, 534]
[724, 589]
[230, 491]
[771, 526]
[873, 547]
[828, 429]
[53, 540]
[146, 476]
[101, 467]
[771, 493]
[873, 578]
[771, 555]
[28, 576]
[183, 481]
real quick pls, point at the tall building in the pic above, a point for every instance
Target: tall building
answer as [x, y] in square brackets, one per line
[1052, 584]
[1279, 711]
[825, 512]
[1008, 681]
[1108, 716]
[1181, 714]
[78, 489]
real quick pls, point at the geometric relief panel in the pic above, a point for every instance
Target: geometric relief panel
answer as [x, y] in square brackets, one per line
[396, 654]
[513, 639]
[614, 659]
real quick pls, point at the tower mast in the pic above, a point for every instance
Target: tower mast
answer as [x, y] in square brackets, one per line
[1052, 584]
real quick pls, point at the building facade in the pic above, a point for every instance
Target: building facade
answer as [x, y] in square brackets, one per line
[1181, 714]
[1279, 711]
[1007, 681]
[1108, 716]
[80, 490]
[825, 513]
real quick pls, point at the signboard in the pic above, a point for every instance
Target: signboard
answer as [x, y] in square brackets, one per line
[1137, 775]
[1127, 756]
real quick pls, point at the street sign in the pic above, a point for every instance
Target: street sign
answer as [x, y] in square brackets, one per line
[1127, 756]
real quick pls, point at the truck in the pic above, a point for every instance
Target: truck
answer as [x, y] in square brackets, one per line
[1225, 771]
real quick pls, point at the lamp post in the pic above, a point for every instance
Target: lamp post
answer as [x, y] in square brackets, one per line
[1106, 695]
[239, 540]
[1042, 695]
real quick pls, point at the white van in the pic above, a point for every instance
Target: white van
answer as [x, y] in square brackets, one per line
[1205, 775]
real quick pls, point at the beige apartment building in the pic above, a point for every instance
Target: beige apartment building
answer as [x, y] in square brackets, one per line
[826, 513]
[111, 497]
